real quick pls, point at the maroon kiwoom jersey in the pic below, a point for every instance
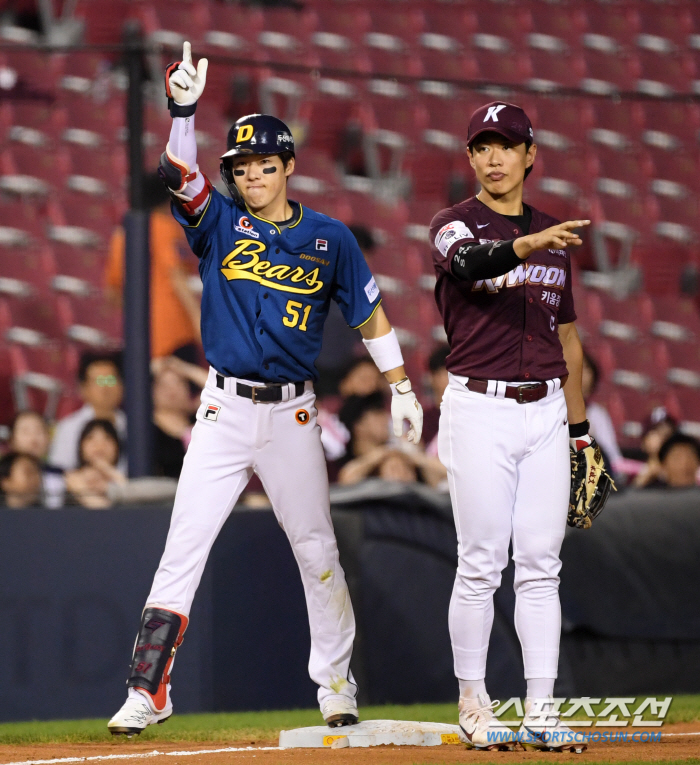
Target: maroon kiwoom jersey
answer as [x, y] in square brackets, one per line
[503, 328]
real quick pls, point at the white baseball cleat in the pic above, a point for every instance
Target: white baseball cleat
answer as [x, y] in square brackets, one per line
[338, 711]
[137, 714]
[544, 730]
[480, 728]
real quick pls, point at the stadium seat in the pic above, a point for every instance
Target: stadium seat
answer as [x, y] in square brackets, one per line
[36, 169]
[609, 70]
[689, 404]
[39, 74]
[564, 21]
[103, 20]
[631, 165]
[22, 222]
[31, 320]
[25, 270]
[621, 23]
[42, 375]
[235, 29]
[675, 318]
[92, 322]
[78, 270]
[328, 115]
[91, 123]
[169, 23]
[663, 73]
[568, 119]
[674, 118]
[286, 36]
[673, 22]
[626, 320]
[626, 118]
[684, 365]
[662, 262]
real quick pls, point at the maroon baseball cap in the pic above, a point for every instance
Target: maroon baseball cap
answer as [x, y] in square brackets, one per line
[507, 120]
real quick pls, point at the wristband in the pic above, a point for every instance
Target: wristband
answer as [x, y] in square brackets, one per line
[385, 351]
[579, 430]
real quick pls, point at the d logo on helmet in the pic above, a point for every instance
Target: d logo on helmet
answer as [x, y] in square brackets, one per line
[245, 133]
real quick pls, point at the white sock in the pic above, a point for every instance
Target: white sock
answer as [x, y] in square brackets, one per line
[470, 689]
[540, 687]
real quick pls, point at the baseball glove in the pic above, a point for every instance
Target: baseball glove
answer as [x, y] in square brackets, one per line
[591, 485]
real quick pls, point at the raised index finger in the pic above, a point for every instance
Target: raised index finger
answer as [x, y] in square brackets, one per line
[186, 53]
[570, 224]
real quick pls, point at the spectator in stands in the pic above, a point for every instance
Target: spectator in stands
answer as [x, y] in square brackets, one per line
[371, 453]
[175, 311]
[29, 434]
[102, 390]
[437, 373]
[341, 343]
[20, 480]
[98, 455]
[360, 378]
[659, 427]
[601, 426]
[679, 458]
[173, 410]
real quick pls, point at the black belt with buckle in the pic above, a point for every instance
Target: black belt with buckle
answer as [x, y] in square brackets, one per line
[262, 394]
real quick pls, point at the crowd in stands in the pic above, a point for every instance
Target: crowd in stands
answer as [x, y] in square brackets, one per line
[81, 459]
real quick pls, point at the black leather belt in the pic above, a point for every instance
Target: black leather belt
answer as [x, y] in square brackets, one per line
[523, 394]
[262, 394]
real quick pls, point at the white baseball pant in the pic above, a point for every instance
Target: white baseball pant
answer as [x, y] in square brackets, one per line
[284, 449]
[508, 471]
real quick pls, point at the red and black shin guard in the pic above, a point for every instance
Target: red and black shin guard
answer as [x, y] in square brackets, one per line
[159, 637]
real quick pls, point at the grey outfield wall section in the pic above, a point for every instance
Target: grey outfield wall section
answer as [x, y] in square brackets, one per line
[73, 582]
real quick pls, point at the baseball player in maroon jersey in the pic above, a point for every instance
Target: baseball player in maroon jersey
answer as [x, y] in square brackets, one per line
[511, 412]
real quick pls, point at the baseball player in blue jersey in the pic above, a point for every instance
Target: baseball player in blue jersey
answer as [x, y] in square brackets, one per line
[269, 269]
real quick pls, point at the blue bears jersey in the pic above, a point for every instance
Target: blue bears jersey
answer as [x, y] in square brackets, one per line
[266, 290]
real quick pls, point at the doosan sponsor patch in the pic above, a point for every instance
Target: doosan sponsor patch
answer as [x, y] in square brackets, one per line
[451, 233]
[322, 244]
[212, 412]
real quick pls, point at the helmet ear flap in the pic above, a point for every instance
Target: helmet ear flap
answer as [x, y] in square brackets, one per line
[226, 169]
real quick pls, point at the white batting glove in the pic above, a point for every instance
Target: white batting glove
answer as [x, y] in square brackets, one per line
[185, 83]
[405, 406]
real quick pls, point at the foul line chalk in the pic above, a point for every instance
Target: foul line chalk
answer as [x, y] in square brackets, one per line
[141, 755]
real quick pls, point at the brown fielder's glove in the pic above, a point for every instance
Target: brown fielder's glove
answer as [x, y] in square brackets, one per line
[591, 485]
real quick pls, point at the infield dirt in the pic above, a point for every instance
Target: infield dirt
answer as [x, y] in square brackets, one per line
[675, 748]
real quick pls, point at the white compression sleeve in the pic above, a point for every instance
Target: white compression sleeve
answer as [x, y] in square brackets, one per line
[182, 147]
[385, 351]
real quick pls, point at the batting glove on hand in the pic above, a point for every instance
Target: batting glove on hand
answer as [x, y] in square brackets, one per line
[405, 406]
[184, 84]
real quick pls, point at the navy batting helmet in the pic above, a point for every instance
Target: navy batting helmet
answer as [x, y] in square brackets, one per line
[254, 134]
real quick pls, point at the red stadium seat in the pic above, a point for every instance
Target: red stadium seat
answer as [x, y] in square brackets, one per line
[662, 74]
[328, 116]
[675, 318]
[22, 223]
[626, 320]
[104, 20]
[609, 71]
[78, 270]
[33, 267]
[563, 21]
[39, 74]
[632, 166]
[170, 22]
[626, 118]
[570, 119]
[93, 322]
[31, 320]
[674, 118]
[622, 23]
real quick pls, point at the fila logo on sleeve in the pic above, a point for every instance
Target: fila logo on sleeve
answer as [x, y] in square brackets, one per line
[212, 412]
[492, 113]
[322, 244]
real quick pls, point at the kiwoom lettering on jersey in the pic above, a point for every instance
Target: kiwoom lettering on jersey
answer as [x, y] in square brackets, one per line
[552, 276]
[244, 263]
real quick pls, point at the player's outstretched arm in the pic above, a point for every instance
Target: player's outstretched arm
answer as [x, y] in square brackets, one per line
[558, 237]
[381, 342]
[184, 84]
